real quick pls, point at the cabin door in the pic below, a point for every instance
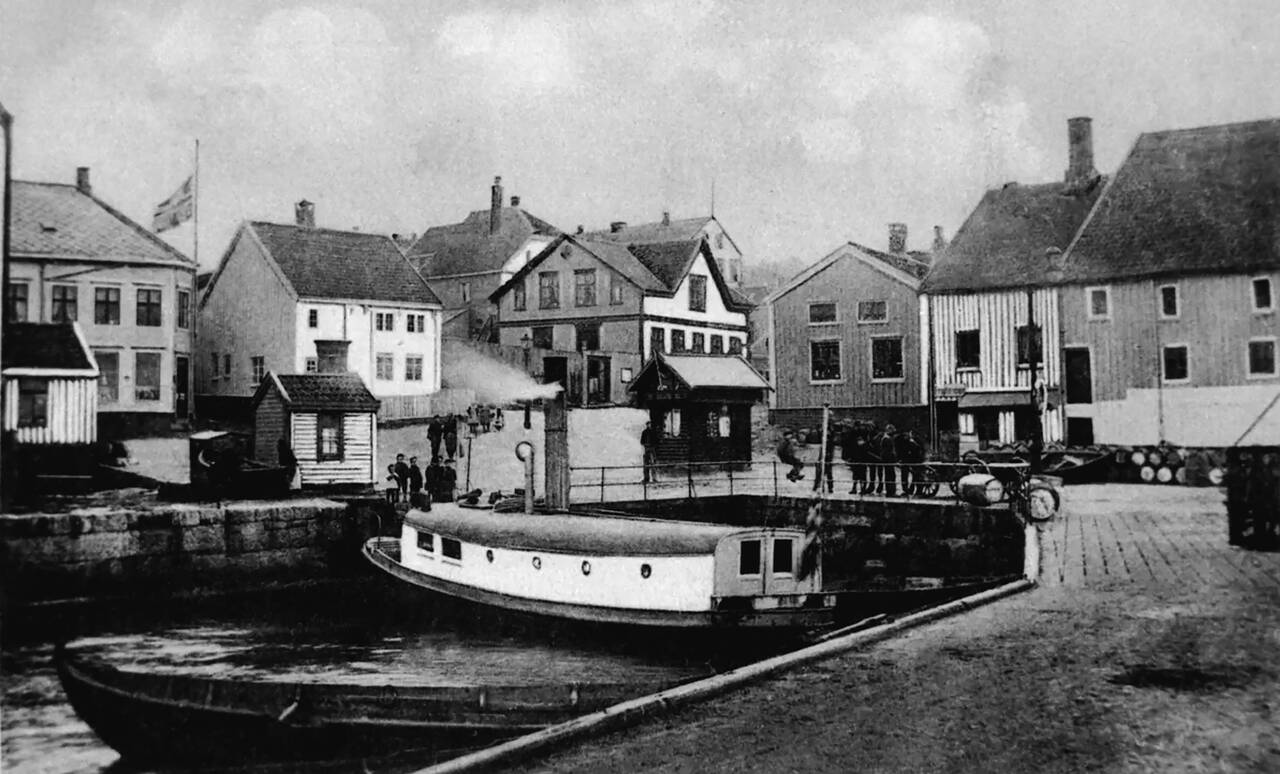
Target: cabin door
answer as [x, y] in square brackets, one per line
[181, 386]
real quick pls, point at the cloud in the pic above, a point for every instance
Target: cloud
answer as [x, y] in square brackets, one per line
[513, 50]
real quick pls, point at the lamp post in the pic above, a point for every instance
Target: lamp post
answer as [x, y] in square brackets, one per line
[526, 342]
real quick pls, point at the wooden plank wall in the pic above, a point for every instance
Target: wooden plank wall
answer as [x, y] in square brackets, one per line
[72, 412]
[997, 317]
[268, 428]
[357, 465]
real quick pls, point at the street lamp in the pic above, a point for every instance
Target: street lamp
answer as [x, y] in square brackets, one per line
[526, 341]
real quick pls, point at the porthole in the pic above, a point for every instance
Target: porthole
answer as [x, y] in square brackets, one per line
[645, 571]
[537, 562]
[586, 567]
[488, 554]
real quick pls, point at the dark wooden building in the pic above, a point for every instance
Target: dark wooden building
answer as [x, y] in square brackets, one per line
[700, 405]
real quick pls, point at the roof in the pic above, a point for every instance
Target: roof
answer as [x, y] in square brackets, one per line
[52, 219]
[704, 371]
[1187, 201]
[324, 263]
[33, 346]
[319, 392]
[645, 233]
[1004, 241]
[468, 247]
[905, 268]
[572, 534]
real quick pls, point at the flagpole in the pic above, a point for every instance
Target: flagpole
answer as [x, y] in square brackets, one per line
[195, 215]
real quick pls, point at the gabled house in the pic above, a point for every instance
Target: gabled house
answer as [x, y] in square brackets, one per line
[76, 259]
[602, 297]
[845, 332]
[1169, 292]
[723, 248]
[991, 311]
[281, 288]
[465, 262]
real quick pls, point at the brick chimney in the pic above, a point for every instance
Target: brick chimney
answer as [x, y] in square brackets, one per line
[515, 201]
[897, 237]
[495, 205]
[1080, 172]
[304, 214]
[617, 226]
[939, 241]
[331, 356]
[82, 180]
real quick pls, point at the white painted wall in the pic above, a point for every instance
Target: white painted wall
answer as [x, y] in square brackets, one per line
[532, 246]
[1193, 416]
[689, 330]
[355, 323]
[71, 411]
[678, 305]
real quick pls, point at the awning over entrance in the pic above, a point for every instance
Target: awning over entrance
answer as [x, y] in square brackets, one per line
[1001, 399]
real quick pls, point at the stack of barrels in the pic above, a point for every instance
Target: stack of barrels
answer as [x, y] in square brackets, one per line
[1171, 465]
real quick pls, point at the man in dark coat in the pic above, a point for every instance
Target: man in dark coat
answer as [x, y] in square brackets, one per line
[451, 438]
[402, 476]
[448, 483]
[787, 453]
[435, 432]
[885, 447]
[856, 451]
[649, 442]
[910, 452]
[415, 482]
[432, 477]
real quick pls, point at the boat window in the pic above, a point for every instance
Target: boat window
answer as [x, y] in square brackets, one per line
[450, 548]
[426, 541]
[782, 557]
[749, 558]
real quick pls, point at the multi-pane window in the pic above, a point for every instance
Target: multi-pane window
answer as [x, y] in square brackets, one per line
[258, 365]
[226, 365]
[615, 289]
[717, 344]
[328, 437]
[213, 365]
[108, 375]
[886, 358]
[824, 361]
[1262, 357]
[588, 335]
[184, 309]
[146, 376]
[697, 293]
[1262, 298]
[312, 365]
[968, 349]
[106, 307]
[415, 323]
[385, 364]
[1099, 300]
[148, 306]
[1029, 346]
[33, 403]
[16, 302]
[1176, 366]
[384, 321]
[63, 303]
[872, 311]
[518, 300]
[657, 340]
[823, 313]
[313, 318]
[677, 341]
[698, 343]
[549, 290]
[584, 287]
[543, 336]
[1169, 301]
[413, 368]
[735, 346]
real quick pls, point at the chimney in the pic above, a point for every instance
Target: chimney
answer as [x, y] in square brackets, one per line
[666, 218]
[939, 241]
[897, 237]
[331, 356]
[495, 205]
[304, 214]
[617, 226]
[1080, 171]
[515, 201]
[82, 180]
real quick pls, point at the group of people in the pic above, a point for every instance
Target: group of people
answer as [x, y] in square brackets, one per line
[875, 457]
[410, 483]
[445, 431]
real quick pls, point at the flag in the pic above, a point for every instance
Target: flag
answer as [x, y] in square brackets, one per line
[177, 209]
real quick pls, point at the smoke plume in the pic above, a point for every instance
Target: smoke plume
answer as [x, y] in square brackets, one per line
[492, 380]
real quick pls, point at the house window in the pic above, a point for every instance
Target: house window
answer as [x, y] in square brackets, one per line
[749, 557]
[1262, 298]
[184, 309]
[543, 336]
[413, 368]
[64, 307]
[677, 341]
[822, 314]
[385, 364]
[968, 350]
[584, 287]
[464, 288]
[16, 302]
[1262, 357]
[108, 375]
[588, 336]
[313, 318]
[824, 361]
[415, 323]
[698, 343]
[671, 423]
[886, 359]
[146, 376]
[106, 307]
[148, 306]
[657, 340]
[615, 289]
[312, 365]
[329, 437]
[735, 346]
[1168, 301]
[33, 403]
[1029, 346]
[697, 293]
[226, 365]
[384, 321]
[1176, 367]
[625, 375]
[258, 365]
[518, 301]
[872, 311]
[782, 557]
[717, 344]
[213, 366]
[549, 290]
[1099, 300]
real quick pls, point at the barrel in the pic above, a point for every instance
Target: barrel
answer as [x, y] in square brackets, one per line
[981, 489]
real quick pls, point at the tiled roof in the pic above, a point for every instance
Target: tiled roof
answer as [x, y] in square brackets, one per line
[709, 371]
[668, 261]
[644, 233]
[1003, 243]
[323, 263]
[61, 220]
[346, 391]
[466, 247]
[1187, 201]
[44, 345]
[624, 261]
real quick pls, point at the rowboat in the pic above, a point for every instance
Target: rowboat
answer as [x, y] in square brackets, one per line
[159, 719]
[610, 569]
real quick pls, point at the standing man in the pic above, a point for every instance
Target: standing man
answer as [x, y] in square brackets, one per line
[826, 460]
[402, 476]
[450, 438]
[910, 453]
[853, 449]
[448, 483]
[649, 440]
[415, 482]
[886, 446]
[787, 454]
[435, 432]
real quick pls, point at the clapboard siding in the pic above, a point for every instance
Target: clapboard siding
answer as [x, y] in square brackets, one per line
[72, 411]
[268, 427]
[357, 464]
[997, 317]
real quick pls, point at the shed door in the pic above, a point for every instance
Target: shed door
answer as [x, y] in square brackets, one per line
[1079, 375]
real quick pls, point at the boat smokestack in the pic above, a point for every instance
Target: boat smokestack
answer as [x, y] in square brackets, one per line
[556, 429]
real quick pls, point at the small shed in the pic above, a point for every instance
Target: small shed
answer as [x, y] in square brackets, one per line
[329, 420]
[700, 406]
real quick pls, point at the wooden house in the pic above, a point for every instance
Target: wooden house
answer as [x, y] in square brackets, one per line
[846, 332]
[700, 406]
[1169, 293]
[724, 250]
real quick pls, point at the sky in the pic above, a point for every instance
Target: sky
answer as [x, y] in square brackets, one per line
[815, 123]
